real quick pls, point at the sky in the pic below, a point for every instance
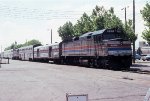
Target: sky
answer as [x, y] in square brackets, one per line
[24, 20]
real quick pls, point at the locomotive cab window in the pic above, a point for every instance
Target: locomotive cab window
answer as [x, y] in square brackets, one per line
[113, 35]
[98, 38]
[88, 37]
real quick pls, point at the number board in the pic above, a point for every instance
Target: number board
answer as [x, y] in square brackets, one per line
[83, 97]
[112, 31]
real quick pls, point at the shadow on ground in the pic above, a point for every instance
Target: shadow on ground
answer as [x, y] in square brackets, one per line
[139, 65]
[135, 68]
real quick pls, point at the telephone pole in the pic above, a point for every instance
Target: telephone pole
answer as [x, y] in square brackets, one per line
[134, 30]
[125, 17]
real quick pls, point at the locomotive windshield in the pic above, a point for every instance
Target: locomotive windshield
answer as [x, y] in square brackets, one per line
[112, 34]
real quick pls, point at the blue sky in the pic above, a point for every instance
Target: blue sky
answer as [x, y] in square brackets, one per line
[23, 20]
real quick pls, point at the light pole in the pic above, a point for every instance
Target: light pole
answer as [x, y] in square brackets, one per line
[125, 15]
[50, 33]
[134, 30]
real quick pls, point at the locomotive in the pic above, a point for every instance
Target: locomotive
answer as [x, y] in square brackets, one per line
[107, 48]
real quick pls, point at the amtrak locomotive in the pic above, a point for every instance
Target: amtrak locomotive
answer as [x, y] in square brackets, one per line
[107, 48]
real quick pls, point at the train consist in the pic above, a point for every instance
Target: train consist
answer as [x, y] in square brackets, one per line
[107, 48]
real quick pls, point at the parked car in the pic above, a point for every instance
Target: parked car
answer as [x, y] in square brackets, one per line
[147, 57]
[137, 56]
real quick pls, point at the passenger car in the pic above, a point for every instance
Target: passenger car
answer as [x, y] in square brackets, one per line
[137, 56]
[147, 57]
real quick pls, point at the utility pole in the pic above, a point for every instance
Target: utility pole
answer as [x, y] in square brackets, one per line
[134, 30]
[125, 13]
[125, 17]
[51, 36]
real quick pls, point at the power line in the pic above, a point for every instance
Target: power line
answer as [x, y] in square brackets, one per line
[26, 13]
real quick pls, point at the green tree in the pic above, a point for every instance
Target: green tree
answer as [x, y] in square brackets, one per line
[66, 31]
[111, 20]
[15, 45]
[128, 28]
[12, 46]
[146, 16]
[105, 18]
[32, 42]
[85, 24]
[98, 17]
[78, 28]
[146, 35]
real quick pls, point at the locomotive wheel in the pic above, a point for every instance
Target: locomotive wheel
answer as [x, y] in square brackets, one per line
[102, 63]
[63, 61]
[95, 65]
[126, 65]
[30, 59]
[91, 63]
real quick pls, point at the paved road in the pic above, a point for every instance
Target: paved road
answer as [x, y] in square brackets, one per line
[31, 81]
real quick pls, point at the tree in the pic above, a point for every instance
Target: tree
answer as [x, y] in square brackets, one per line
[100, 19]
[12, 46]
[146, 35]
[128, 28]
[105, 18]
[146, 16]
[66, 31]
[83, 25]
[32, 42]
[111, 20]
[15, 45]
[78, 28]
[19, 45]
